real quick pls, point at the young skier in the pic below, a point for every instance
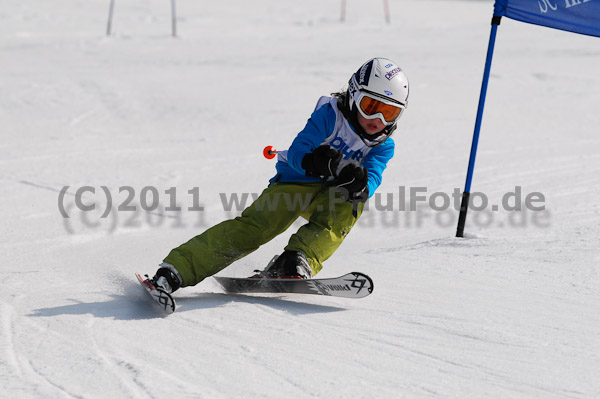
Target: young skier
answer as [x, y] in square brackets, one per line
[332, 167]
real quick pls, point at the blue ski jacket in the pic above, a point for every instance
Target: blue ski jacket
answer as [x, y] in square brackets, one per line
[328, 126]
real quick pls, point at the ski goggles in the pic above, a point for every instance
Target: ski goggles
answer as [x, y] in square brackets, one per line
[371, 108]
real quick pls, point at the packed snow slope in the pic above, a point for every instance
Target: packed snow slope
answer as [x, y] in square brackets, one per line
[511, 311]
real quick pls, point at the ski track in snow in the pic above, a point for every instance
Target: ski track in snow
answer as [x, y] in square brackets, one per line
[10, 357]
[512, 310]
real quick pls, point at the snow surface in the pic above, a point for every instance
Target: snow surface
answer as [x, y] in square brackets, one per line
[511, 311]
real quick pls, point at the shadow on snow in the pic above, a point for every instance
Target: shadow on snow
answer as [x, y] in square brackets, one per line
[138, 307]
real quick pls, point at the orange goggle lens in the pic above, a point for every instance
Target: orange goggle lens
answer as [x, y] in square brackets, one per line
[370, 106]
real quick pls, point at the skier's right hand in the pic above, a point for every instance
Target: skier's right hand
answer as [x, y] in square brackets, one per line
[322, 162]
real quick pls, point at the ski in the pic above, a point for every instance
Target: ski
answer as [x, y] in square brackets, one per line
[161, 297]
[351, 285]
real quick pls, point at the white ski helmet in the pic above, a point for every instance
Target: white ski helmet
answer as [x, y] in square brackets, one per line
[379, 89]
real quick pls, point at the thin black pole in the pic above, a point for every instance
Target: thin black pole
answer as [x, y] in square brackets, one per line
[173, 19]
[111, 9]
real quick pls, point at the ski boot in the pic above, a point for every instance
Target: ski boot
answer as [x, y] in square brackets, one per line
[290, 264]
[167, 278]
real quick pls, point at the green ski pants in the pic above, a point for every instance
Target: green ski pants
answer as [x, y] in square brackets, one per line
[280, 204]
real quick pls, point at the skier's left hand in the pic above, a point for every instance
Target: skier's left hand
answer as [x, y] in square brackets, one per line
[352, 182]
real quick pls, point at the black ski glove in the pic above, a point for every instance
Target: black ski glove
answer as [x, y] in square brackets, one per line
[322, 162]
[352, 182]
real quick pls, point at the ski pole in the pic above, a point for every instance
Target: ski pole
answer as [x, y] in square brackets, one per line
[269, 152]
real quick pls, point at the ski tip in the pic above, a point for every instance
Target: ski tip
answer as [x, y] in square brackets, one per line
[161, 297]
[166, 301]
[359, 275]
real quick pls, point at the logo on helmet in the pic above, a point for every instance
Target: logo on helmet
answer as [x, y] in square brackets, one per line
[365, 73]
[393, 73]
[389, 93]
[352, 87]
